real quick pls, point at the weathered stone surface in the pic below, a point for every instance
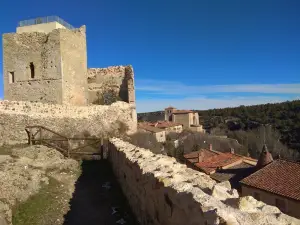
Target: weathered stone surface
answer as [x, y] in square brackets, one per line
[119, 79]
[223, 191]
[5, 158]
[162, 191]
[2, 220]
[29, 170]
[15, 116]
[49, 68]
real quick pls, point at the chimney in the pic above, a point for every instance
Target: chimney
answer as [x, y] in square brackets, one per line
[199, 157]
[232, 150]
[210, 147]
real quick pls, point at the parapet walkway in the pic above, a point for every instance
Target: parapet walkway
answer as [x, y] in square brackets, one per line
[98, 198]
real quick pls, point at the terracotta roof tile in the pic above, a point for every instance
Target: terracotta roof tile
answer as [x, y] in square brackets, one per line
[146, 127]
[218, 161]
[193, 157]
[280, 177]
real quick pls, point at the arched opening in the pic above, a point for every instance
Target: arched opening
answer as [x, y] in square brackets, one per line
[31, 70]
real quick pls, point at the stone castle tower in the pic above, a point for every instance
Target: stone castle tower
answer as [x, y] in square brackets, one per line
[45, 64]
[46, 61]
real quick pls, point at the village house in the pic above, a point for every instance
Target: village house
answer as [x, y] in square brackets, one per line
[159, 134]
[188, 118]
[168, 126]
[275, 183]
[221, 166]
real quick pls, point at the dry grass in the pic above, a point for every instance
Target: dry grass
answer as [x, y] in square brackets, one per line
[44, 208]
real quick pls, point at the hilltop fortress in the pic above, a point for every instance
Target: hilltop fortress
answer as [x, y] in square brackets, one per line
[47, 62]
[47, 83]
[45, 74]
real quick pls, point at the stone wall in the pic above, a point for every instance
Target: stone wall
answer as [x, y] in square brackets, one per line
[119, 79]
[43, 51]
[16, 115]
[48, 68]
[74, 66]
[162, 191]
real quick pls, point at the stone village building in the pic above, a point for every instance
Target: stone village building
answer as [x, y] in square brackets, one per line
[188, 118]
[158, 134]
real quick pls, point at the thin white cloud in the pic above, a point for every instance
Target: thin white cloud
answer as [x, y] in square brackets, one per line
[151, 105]
[177, 88]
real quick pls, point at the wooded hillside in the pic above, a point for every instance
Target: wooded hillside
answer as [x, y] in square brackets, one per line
[284, 117]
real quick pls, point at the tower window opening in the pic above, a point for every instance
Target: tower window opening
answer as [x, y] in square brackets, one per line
[31, 70]
[11, 77]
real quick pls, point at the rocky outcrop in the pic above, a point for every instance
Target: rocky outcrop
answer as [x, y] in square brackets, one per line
[163, 191]
[27, 171]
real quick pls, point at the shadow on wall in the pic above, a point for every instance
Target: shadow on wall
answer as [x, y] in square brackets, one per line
[98, 198]
[152, 201]
[106, 98]
[123, 93]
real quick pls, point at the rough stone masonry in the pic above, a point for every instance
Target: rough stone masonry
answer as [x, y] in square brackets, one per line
[47, 63]
[64, 119]
[162, 191]
[51, 67]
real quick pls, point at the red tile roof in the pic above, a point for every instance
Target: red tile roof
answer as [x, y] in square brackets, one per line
[145, 126]
[218, 161]
[212, 160]
[193, 157]
[279, 177]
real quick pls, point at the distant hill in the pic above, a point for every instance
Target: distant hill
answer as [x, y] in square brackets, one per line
[285, 117]
[151, 116]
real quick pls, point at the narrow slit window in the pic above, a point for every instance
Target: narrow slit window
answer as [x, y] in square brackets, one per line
[31, 70]
[11, 77]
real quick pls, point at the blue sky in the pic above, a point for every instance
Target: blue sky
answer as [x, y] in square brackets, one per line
[191, 54]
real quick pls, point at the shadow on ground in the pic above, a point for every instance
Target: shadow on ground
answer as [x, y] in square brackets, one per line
[96, 195]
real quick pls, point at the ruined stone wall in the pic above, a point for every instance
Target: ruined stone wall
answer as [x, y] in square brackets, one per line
[15, 116]
[162, 191]
[120, 79]
[43, 52]
[74, 66]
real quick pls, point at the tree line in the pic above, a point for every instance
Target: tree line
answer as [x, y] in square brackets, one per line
[284, 118]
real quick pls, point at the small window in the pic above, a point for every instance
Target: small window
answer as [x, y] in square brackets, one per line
[31, 70]
[280, 204]
[257, 196]
[11, 77]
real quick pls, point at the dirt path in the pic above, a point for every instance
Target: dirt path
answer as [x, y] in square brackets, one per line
[97, 193]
